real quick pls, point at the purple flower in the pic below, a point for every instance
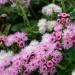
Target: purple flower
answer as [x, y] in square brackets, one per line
[3, 1]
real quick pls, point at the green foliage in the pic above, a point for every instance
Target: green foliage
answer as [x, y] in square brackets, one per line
[68, 63]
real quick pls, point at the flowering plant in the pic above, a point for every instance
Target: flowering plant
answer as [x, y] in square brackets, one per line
[33, 46]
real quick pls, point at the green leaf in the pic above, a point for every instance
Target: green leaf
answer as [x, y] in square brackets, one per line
[17, 27]
[73, 14]
[7, 29]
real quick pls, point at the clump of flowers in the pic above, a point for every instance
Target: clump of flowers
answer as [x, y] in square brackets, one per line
[3, 1]
[45, 25]
[49, 9]
[63, 31]
[32, 57]
[67, 30]
[42, 24]
[42, 56]
[19, 38]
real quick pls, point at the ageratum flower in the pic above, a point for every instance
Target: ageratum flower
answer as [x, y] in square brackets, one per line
[43, 55]
[18, 38]
[3, 1]
[49, 9]
[42, 25]
[73, 72]
[45, 25]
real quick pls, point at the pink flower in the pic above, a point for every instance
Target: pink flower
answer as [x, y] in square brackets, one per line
[50, 64]
[21, 36]
[64, 18]
[67, 34]
[68, 21]
[12, 71]
[67, 43]
[17, 64]
[63, 21]
[6, 61]
[33, 65]
[53, 71]
[3, 38]
[63, 15]
[2, 68]
[25, 73]
[54, 60]
[43, 69]
[58, 35]
[58, 45]
[3, 1]
[58, 27]
[52, 39]
[10, 40]
[73, 38]
[21, 44]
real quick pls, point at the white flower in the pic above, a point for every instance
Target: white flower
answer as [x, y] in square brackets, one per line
[34, 43]
[42, 25]
[49, 9]
[51, 25]
[4, 15]
[4, 55]
[13, 5]
[42, 22]
[42, 30]
[73, 72]
[57, 9]
[45, 25]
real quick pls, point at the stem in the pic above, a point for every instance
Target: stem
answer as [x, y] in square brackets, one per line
[25, 17]
[59, 66]
[63, 5]
[33, 12]
[53, 1]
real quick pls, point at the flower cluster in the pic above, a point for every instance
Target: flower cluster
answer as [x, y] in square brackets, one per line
[34, 56]
[19, 38]
[63, 30]
[42, 56]
[45, 25]
[49, 9]
[3, 1]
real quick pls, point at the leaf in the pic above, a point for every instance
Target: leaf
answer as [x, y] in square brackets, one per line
[7, 29]
[17, 27]
[73, 14]
[60, 66]
[1, 33]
